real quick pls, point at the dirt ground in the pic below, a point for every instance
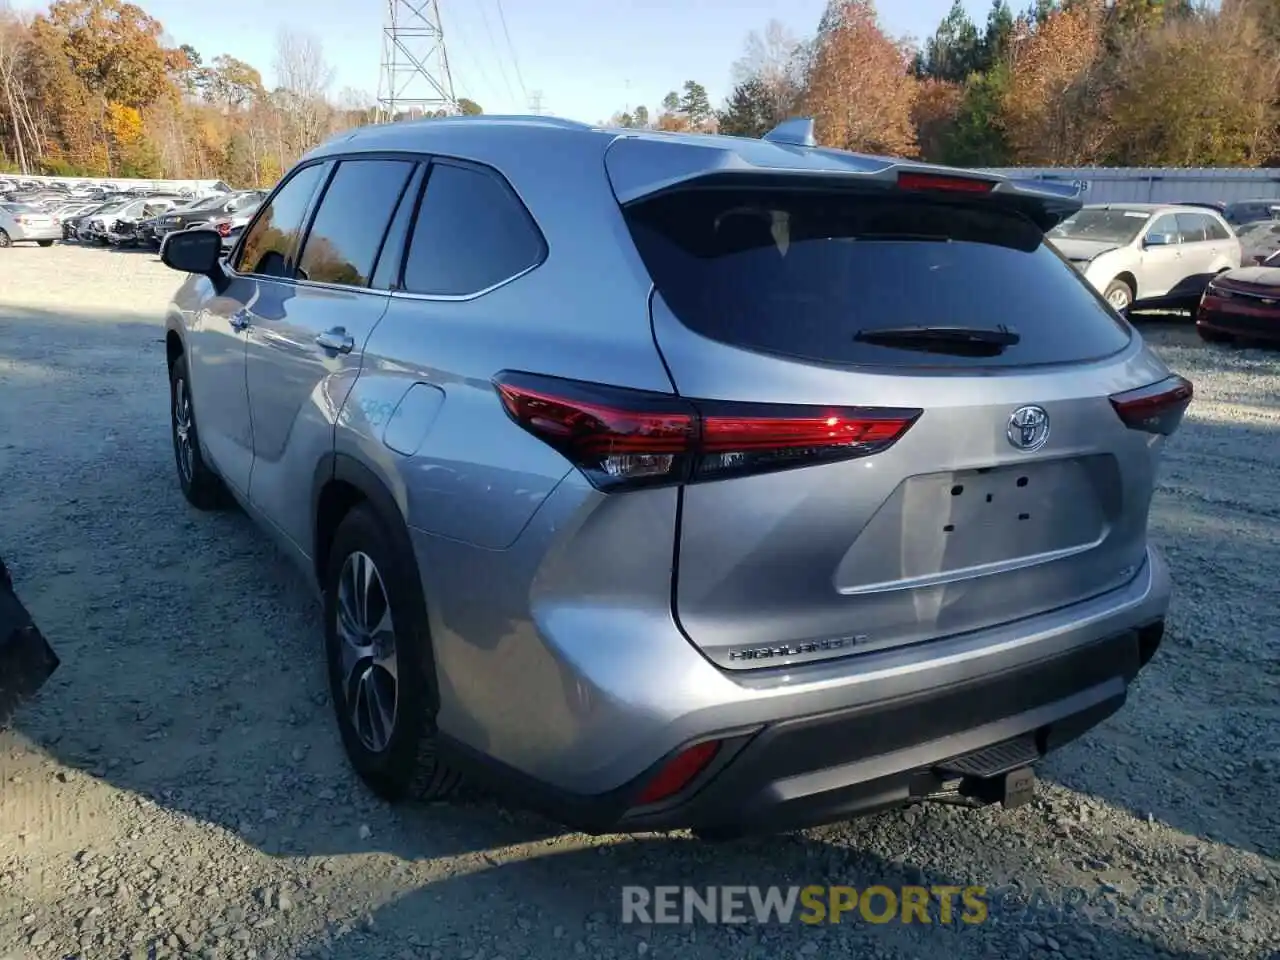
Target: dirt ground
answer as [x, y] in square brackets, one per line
[179, 789]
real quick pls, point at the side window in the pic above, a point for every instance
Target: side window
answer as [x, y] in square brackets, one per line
[348, 228]
[1216, 229]
[472, 233]
[274, 234]
[1166, 225]
[1191, 226]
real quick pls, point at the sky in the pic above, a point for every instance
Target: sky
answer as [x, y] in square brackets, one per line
[587, 58]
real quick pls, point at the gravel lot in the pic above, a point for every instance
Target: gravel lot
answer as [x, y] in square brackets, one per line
[179, 788]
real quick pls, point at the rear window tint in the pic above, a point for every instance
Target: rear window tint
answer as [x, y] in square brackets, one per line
[802, 273]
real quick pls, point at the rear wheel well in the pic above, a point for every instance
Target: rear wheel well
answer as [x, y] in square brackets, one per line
[336, 500]
[172, 347]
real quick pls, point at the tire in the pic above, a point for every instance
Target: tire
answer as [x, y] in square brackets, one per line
[4, 240]
[1119, 294]
[45, 243]
[200, 485]
[398, 759]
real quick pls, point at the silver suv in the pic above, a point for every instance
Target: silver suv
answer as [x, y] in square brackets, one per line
[681, 481]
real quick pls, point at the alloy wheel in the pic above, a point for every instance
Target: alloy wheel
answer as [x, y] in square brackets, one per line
[367, 651]
[182, 430]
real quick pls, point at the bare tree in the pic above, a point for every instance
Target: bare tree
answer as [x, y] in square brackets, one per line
[12, 36]
[777, 59]
[303, 78]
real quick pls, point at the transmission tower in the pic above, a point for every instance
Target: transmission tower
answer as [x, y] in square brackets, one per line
[415, 66]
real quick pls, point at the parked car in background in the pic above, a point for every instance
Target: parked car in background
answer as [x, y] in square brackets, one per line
[230, 227]
[1241, 212]
[1258, 241]
[23, 223]
[1242, 303]
[93, 227]
[211, 209]
[897, 547]
[1144, 253]
[124, 230]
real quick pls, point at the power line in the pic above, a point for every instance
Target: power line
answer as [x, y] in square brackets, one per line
[515, 61]
[484, 77]
[497, 53]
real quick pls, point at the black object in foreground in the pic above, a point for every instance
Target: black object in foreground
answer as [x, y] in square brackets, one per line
[26, 659]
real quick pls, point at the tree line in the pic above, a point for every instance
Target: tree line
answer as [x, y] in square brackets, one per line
[95, 88]
[1154, 83]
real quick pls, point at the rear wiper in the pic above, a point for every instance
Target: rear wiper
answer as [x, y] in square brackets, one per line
[962, 341]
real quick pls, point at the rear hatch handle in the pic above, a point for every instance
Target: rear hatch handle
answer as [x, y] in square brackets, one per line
[963, 341]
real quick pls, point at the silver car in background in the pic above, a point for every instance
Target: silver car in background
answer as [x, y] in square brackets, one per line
[1147, 253]
[23, 223]
[681, 480]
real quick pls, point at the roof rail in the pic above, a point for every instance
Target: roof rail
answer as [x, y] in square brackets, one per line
[797, 131]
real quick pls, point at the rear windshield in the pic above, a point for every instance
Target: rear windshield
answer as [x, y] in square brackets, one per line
[801, 274]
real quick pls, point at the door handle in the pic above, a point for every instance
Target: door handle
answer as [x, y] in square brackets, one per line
[240, 320]
[336, 340]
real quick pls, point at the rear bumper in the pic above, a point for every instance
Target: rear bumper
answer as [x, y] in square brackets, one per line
[19, 233]
[881, 738]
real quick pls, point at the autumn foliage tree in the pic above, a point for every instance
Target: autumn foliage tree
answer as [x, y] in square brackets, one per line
[860, 92]
[1055, 110]
[91, 87]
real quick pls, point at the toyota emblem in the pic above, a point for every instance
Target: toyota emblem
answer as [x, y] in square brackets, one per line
[1028, 428]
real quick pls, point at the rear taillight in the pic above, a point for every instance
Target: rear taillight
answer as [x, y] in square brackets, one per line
[1157, 408]
[908, 180]
[224, 229]
[628, 438]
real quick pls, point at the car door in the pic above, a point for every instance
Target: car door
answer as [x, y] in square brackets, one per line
[1161, 262]
[304, 350]
[217, 337]
[1199, 252]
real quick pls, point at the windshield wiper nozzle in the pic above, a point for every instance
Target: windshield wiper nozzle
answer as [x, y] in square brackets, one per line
[963, 341]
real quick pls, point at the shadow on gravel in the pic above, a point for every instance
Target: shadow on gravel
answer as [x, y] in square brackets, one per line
[572, 904]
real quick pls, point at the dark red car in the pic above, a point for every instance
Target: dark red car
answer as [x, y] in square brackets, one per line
[1242, 303]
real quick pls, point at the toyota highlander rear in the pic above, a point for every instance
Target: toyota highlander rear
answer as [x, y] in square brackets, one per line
[912, 455]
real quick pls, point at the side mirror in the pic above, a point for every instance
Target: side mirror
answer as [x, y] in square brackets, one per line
[193, 251]
[1158, 240]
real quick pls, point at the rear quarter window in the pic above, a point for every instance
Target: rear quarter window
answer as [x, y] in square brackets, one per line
[800, 274]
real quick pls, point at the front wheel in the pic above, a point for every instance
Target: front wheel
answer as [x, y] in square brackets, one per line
[1119, 295]
[380, 662]
[4, 240]
[200, 485]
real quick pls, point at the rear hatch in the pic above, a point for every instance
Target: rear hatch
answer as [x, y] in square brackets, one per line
[921, 408]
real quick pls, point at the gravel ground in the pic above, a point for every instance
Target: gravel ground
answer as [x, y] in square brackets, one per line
[178, 790]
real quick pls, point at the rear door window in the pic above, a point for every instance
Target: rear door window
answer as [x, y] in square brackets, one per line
[352, 219]
[800, 274]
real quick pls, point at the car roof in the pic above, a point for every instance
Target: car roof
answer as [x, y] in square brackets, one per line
[640, 162]
[1152, 207]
